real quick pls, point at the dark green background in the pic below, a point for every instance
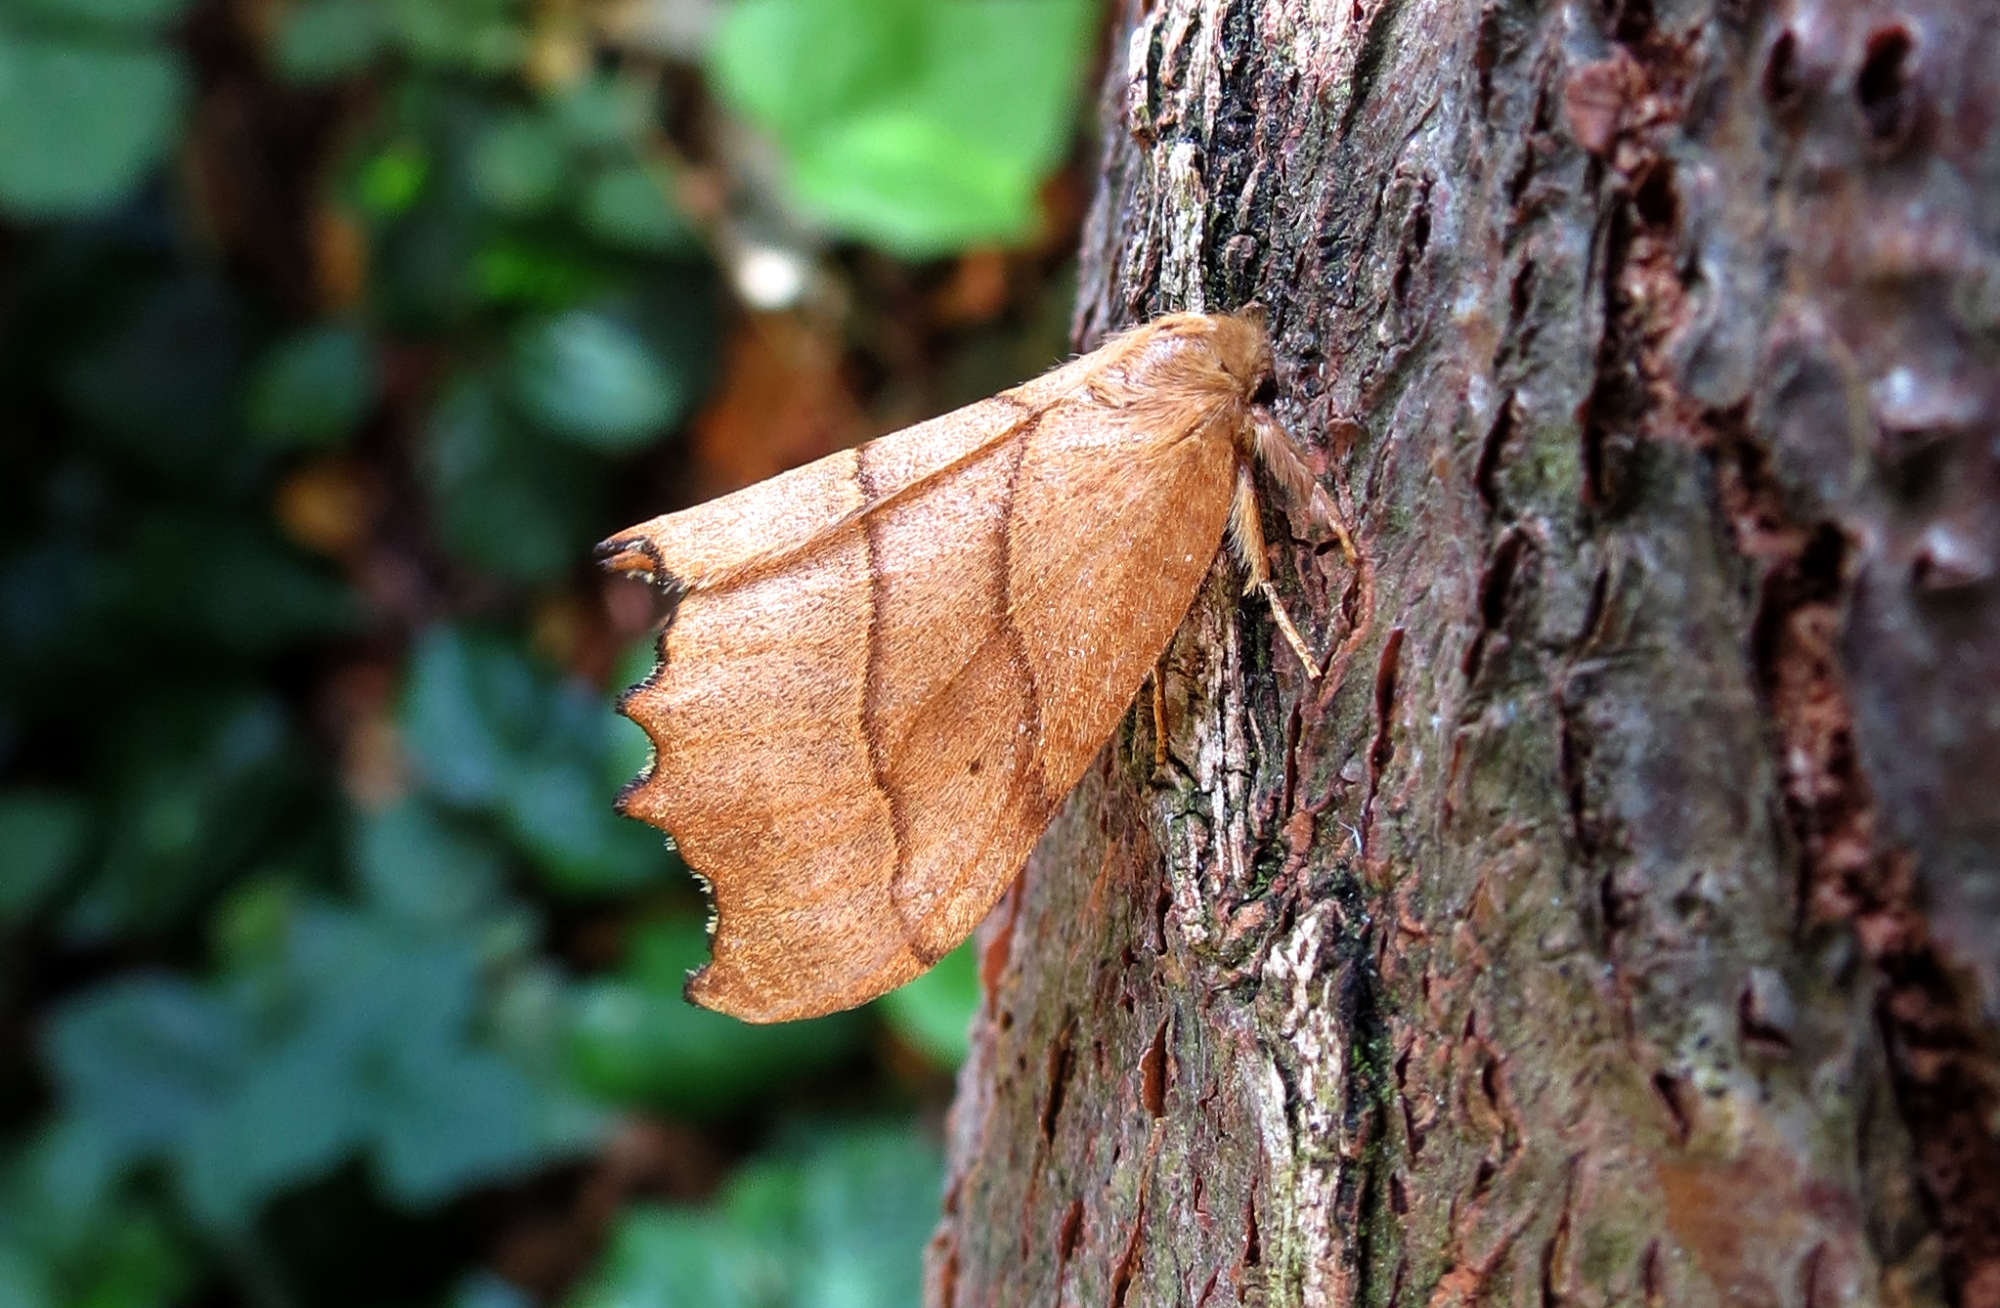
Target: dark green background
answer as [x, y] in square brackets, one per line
[327, 975]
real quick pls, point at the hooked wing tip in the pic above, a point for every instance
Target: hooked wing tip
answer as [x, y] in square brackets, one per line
[639, 558]
[628, 553]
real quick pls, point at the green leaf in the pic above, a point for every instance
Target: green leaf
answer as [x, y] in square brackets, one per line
[202, 784]
[24, 1281]
[93, 1245]
[51, 609]
[290, 1118]
[527, 1018]
[588, 378]
[415, 865]
[251, 927]
[353, 1036]
[216, 581]
[669, 1258]
[131, 16]
[390, 181]
[518, 164]
[535, 272]
[42, 835]
[314, 388]
[145, 1059]
[482, 1289]
[509, 501]
[558, 808]
[378, 1054]
[323, 40]
[137, 381]
[1006, 79]
[488, 730]
[559, 812]
[469, 703]
[135, 1260]
[55, 1187]
[839, 1224]
[906, 181]
[629, 208]
[85, 123]
[636, 1040]
[394, 1010]
[479, 36]
[603, 112]
[934, 1011]
[865, 1207]
[857, 1206]
[458, 1119]
[796, 65]
[922, 126]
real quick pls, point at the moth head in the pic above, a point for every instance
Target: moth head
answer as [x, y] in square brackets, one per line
[1243, 348]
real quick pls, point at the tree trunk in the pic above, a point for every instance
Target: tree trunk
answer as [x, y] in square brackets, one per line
[1618, 920]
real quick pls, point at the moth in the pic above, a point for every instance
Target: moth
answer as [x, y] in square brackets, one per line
[882, 672]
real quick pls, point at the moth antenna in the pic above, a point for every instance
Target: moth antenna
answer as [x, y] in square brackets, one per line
[1279, 454]
[1246, 541]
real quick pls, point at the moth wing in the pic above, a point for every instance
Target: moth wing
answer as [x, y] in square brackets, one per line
[862, 726]
[1030, 635]
[798, 509]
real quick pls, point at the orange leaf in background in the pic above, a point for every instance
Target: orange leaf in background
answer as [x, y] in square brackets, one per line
[358, 705]
[782, 402]
[563, 629]
[977, 290]
[1061, 204]
[325, 507]
[340, 258]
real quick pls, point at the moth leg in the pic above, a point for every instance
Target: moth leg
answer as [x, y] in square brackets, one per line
[1279, 453]
[1159, 718]
[1246, 539]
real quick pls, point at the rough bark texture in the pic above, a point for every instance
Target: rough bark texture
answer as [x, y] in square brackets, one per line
[1618, 921]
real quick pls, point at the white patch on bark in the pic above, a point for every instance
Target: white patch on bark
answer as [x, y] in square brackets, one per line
[1315, 1052]
[1184, 200]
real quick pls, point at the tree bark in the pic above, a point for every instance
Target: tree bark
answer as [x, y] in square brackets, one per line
[1618, 920]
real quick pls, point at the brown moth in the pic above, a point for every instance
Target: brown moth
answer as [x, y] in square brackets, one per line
[883, 671]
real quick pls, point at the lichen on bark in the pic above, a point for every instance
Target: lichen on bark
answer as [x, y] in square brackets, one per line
[1618, 921]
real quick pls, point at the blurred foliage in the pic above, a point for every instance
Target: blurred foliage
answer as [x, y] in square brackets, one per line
[71, 148]
[635, 1040]
[493, 737]
[837, 1222]
[333, 333]
[921, 125]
